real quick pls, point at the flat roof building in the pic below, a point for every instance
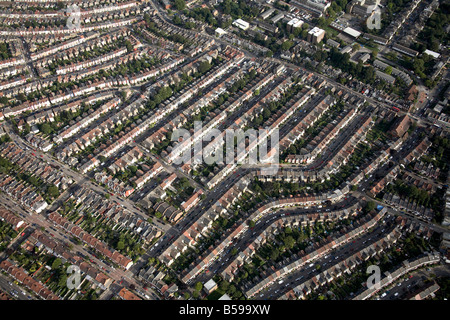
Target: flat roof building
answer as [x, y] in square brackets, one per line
[346, 49]
[267, 13]
[352, 32]
[432, 53]
[333, 43]
[364, 57]
[385, 76]
[315, 6]
[405, 50]
[241, 24]
[210, 286]
[376, 39]
[267, 27]
[294, 23]
[278, 17]
[220, 32]
[315, 35]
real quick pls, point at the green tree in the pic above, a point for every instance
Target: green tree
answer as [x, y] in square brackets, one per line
[374, 54]
[274, 254]
[231, 289]
[62, 280]
[120, 245]
[266, 113]
[133, 169]
[289, 242]
[370, 205]
[4, 100]
[45, 128]
[21, 97]
[129, 46]
[224, 286]
[180, 4]
[52, 191]
[322, 22]
[388, 70]
[56, 263]
[204, 66]
[198, 286]
[33, 180]
[177, 20]
[285, 46]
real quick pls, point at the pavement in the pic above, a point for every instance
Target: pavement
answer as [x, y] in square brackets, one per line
[222, 261]
[341, 253]
[80, 179]
[13, 290]
[413, 283]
